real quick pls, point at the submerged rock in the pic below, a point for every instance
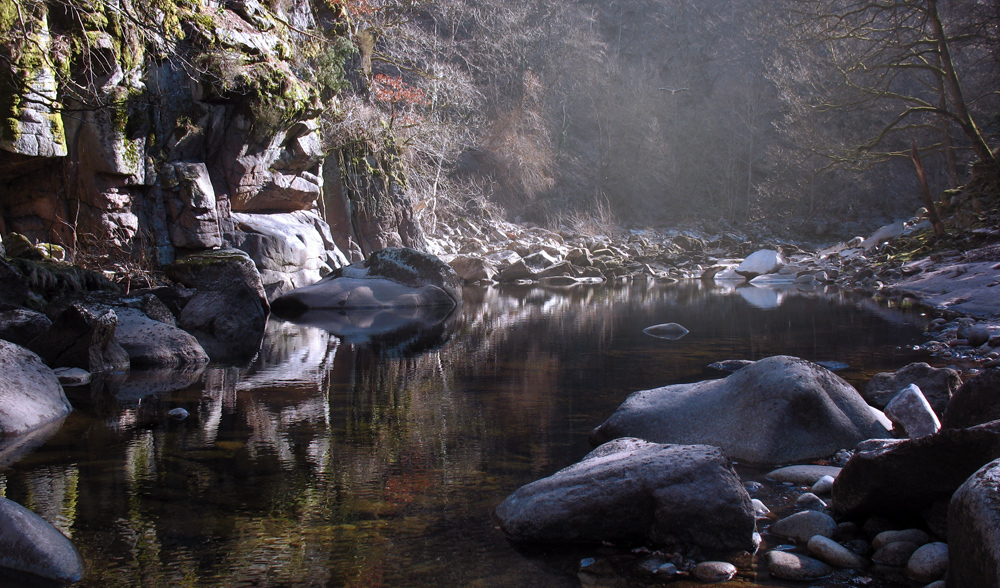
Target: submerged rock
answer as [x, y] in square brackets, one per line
[777, 410]
[671, 331]
[633, 491]
[30, 544]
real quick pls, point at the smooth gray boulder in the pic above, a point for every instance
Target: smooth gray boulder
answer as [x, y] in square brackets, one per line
[974, 531]
[937, 384]
[793, 566]
[390, 278]
[151, 343]
[30, 392]
[777, 410]
[803, 526]
[635, 492]
[31, 545]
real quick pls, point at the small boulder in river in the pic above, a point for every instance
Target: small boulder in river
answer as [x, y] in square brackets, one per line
[974, 531]
[31, 545]
[671, 331]
[635, 492]
[390, 278]
[759, 263]
[904, 477]
[30, 392]
[976, 402]
[777, 410]
[937, 385]
[229, 311]
[911, 414]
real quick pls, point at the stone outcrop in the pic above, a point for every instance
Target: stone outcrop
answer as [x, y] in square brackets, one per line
[634, 492]
[776, 410]
[30, 393]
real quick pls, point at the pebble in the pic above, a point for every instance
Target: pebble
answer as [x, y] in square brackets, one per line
[928, 563]
[834, 553]
[792, 566]
[912, 535]
[802, 526]
[823, 486]
[896, 554]
[810, 501]
[714, 571]
[802, 475]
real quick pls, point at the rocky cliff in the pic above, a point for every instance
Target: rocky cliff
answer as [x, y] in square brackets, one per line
[136, 132]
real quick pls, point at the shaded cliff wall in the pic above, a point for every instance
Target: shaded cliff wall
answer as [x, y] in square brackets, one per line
[134, 132]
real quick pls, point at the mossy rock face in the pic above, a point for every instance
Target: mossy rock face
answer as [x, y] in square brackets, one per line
[413, 268]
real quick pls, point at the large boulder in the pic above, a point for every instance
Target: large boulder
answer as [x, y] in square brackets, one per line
[759, 263]
[777, 410]
[974, 531]
[904, 477]
[82, 337]
[390, 278]
[151, 343]
[30, 393]
[635, 492]
[20, 325]
[291, 250]
[31, 545]
[937, 385]
[976, 402]
[229, 312]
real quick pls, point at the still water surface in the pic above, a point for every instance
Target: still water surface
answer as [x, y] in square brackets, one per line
[347, 461]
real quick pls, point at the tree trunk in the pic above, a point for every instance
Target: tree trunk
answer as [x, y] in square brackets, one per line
[925, 191]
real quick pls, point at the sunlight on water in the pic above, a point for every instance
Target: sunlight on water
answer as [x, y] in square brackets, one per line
[326, 463]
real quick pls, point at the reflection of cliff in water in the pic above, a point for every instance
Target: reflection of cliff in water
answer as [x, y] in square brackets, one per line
[333, 463]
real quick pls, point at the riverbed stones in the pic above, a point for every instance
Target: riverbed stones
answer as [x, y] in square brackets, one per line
[777, 410]
[633, 491]
[30, 393]
[937, 384]
[895, 554]
[31, 545]
[802, 526]
[894, 535]
[928, 563]
[761, 262]
[911, 414]
[974, 531]
[824, 485]
[976, 402]
[714, 572]
[834, 554]
[802, 475]
[903, 477]
[809, 501]
[793, 566]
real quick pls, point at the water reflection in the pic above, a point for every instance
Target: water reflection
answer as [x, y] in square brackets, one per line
[331, 461]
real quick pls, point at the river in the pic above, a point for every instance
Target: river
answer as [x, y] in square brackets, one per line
[376, 461]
